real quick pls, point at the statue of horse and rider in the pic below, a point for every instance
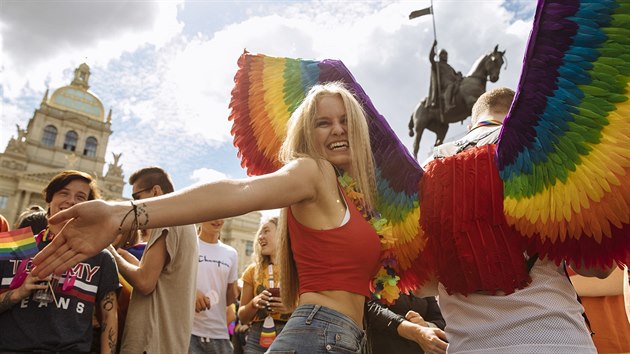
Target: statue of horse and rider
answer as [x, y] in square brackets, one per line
[451, 95]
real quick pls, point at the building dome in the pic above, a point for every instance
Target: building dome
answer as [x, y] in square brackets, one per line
[77, 98]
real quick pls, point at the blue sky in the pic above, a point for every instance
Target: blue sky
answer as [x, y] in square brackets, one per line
[166, 68]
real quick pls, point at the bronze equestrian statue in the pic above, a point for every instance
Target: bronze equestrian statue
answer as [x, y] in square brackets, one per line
[452, 96]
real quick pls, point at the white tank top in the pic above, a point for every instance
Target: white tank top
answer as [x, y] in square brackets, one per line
[545, 317]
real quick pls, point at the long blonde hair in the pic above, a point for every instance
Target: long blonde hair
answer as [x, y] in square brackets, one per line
[300, 143]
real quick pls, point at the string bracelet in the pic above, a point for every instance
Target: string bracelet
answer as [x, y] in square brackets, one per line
[134, 222]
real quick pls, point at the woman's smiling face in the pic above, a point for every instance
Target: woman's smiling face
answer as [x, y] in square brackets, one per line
[331, 131]
[75, 192]
[267, 238]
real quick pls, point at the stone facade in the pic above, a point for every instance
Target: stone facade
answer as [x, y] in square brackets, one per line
[69, 130]
[240, 233]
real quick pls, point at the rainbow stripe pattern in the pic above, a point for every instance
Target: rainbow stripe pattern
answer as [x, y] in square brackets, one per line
[267, 91]
[564, 152]
[17, 244]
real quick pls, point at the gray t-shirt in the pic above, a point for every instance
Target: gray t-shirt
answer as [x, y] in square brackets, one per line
[161, 321]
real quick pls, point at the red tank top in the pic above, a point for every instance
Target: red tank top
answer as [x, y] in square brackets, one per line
[344, 258]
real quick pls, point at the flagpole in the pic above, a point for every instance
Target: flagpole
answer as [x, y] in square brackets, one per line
[419, 13]
[437, 70]
[433, 19]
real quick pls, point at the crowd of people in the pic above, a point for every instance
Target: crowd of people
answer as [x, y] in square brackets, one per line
[307, 288]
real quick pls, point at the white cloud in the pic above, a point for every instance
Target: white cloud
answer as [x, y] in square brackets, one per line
[206, 175]
[170, 93]
[42, 38]
[269, 213]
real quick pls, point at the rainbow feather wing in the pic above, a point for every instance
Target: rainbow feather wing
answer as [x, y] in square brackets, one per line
[268, 89]
[261, 109]
[564, 152]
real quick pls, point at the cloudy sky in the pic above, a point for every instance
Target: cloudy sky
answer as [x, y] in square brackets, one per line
[166, 68]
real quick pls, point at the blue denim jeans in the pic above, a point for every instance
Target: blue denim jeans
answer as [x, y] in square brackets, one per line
[199, 345]
[315, 329]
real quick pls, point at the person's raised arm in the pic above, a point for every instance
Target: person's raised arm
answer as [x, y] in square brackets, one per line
[95, 224]
[433, 53]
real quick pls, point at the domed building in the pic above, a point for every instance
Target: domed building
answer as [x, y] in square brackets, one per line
[69, 130]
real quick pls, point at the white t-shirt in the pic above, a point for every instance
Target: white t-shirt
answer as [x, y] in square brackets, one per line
[217, 267]
[544, 317]
[483, 135]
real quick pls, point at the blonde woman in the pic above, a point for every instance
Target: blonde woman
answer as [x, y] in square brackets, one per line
[322, 232]
[259, 280]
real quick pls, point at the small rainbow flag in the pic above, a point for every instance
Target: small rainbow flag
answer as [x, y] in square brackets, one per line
[17, 244]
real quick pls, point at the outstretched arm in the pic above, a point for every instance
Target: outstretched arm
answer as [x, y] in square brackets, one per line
[432, 54]
[95, 224]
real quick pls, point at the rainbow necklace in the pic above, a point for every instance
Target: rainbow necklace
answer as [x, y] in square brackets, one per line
[386, 279]
[485, 123]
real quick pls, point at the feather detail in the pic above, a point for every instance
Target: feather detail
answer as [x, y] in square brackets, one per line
[564, 151]
[462, 214]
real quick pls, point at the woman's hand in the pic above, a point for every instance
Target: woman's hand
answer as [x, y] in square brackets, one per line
[11, 297]
[267, 301]
[30, 284]
[261, 301]
[91, 227]
[276, 305]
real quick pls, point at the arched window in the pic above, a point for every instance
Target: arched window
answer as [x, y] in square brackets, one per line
[50, 135]
[90, 146]
[70, 143]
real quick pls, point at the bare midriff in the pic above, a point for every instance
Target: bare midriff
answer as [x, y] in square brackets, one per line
[347, 303]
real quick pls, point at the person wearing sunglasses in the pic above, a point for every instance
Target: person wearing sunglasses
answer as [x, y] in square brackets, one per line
[160, 314]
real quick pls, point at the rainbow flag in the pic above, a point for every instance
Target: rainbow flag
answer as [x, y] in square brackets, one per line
[17, 244]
